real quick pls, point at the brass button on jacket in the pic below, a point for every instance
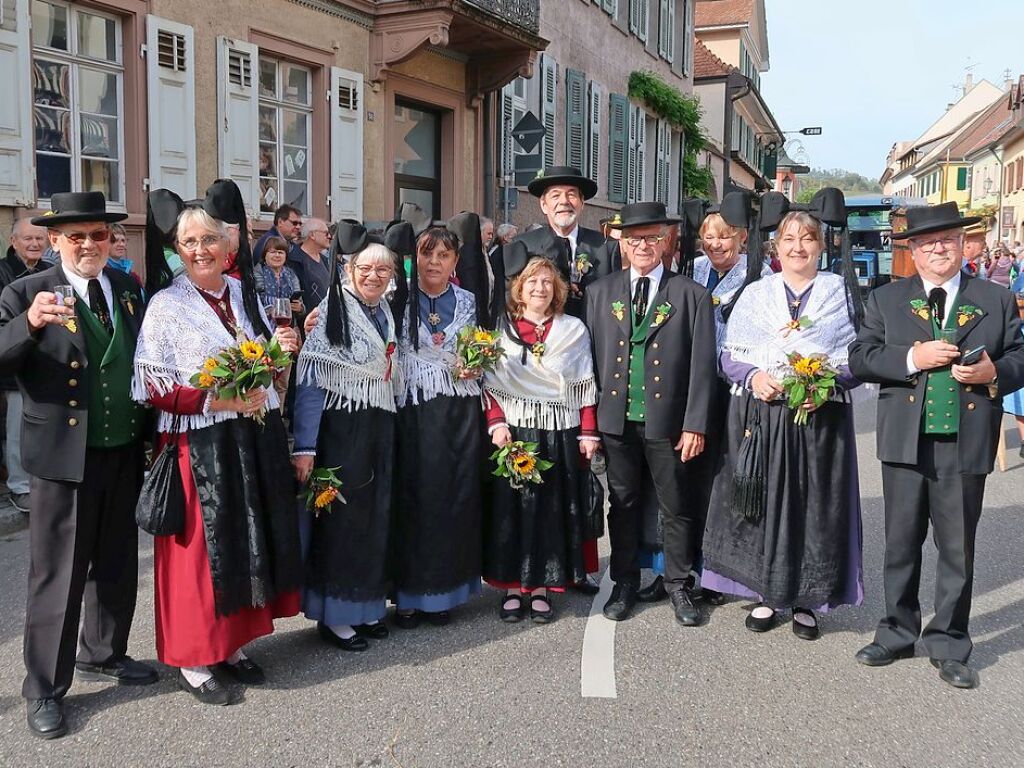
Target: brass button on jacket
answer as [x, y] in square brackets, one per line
[911, 398]
[970, 406]
[75, 365]
[72, 403]
[72, 382]
[72, 422]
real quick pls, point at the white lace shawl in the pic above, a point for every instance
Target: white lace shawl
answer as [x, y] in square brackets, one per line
[180, 330]
[758, 331]
[546, 394]
[428, 371]
[357, 377]
[726, 288]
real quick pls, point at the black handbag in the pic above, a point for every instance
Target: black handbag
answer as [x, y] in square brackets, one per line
[161, 507]
[748, 480]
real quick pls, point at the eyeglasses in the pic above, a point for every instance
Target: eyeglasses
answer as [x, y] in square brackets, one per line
[651, 240]
[929, 246]
[206, 241]
[295, 222]
[97, 236]
[365, 270]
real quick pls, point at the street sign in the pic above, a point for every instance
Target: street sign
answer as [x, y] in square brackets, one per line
[811, 131]
[528, 132]
[526, 168]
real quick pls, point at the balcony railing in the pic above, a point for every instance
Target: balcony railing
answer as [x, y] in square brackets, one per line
[521, 13]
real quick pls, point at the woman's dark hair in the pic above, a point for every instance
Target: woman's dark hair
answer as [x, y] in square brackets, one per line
[430, 238]
[275, 244]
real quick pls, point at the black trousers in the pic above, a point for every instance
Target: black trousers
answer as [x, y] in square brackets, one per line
[83, 543]
[932, 491]
[631, 455]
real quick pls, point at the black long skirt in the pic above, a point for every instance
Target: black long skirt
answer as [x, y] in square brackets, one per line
[348, 547]
[246, 490]
[805, 550]
[438, 495]
[534, 537]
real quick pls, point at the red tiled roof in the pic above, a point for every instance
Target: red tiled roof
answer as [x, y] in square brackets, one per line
[990, 125]
[706, 64]
[713, 13]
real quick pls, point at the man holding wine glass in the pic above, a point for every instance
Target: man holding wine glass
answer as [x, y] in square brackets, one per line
[68, 335]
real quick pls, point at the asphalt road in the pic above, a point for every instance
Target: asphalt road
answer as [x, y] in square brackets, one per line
[482, 693]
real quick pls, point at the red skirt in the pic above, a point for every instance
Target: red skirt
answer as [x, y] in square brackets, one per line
[189, 633]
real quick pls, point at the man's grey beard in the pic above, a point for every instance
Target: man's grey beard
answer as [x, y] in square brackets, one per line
[565, 220]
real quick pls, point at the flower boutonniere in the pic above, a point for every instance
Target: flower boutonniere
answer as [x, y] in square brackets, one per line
[583, 263]
[71, 324]
[715, 301]
[128, 299]
[618, 310]
[389, 352]
[661, 313]
[966, 313]
[919, 307]
[796, 325]
[538, 350]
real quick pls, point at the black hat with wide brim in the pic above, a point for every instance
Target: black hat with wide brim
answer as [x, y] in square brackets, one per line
[923, 219]
[643, 215]
[73, 207]
[562, 176]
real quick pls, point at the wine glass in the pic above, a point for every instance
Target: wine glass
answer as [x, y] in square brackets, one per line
[281, 312]
[65, 295]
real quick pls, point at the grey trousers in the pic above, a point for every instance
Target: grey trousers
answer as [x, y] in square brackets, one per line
[17, 477]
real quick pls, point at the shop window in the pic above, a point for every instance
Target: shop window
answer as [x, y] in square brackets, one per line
[418, 157]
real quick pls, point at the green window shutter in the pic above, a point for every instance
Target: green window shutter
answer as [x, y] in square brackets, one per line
[961, 178]
[575, 119]
[618, 126]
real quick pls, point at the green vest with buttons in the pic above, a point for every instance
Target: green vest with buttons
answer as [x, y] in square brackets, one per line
[637, 395]
[941, 412]
[114, 418]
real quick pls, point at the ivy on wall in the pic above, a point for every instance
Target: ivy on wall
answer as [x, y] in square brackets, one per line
[682, 111]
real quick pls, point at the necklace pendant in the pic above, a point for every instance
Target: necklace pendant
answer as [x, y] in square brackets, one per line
[434, 319]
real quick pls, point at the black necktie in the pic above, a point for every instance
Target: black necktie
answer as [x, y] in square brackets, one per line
[98, 305]
[937, 301]
[640, 299]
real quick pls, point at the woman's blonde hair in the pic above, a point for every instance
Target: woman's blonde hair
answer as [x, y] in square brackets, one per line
[199, 216]
[516, 304]
[714, 223]
[805, 223]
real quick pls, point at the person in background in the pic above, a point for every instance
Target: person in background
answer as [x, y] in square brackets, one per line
[119, 252]
[311, 262]
[505, 234]
[24, 257]
[276, 280]
[287, 223]
[1003, 267]
[487, 233]
[974, 247]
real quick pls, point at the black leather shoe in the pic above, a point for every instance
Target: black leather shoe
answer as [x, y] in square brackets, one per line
[378, 631]
[803, 631]
[210, 692]
[123, 671]
[653, 592]
[587, 587]
[246, 671]
[407, 620]
[621, 603]
[513, 614]
[877, 655]
[354, 643]
[956, 673]
[755, 624]
[46, 718]
[711, 597]
[687, 613]
[438, 618]
[538, 615]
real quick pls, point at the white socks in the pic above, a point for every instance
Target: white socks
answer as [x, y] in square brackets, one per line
[762, 612]
[344, 631]
[196, 676]
[235, 657]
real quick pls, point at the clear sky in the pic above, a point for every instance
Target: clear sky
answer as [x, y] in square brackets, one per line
[873, 72]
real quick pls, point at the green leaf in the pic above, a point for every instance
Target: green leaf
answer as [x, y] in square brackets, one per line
[797, 395]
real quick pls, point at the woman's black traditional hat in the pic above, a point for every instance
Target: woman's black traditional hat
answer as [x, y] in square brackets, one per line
[349, 239]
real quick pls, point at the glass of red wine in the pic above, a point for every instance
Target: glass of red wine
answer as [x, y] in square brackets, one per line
[281, 312]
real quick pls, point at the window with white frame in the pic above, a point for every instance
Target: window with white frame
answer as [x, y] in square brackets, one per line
[78, 100]
[285, 130]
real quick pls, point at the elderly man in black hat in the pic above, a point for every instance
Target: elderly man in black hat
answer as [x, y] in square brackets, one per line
[943, 345]
[654, 356]
[68, 335]
[563, 192]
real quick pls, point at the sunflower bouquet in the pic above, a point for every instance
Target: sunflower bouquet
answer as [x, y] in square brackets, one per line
[519, 462]
[477, 350]
[237, 370]
[810, 379]
[323, 489]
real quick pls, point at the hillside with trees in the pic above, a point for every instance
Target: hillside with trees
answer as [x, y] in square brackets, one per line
[849, 182]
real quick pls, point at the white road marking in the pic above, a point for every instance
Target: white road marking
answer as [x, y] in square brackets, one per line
[597, 666]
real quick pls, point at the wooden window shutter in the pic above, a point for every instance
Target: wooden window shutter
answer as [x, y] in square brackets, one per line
[238, 116]
[575, 119]
[618, 147]
[346, 98]
[171, 99]
[17, 139]
[549, 91]
[593, 168]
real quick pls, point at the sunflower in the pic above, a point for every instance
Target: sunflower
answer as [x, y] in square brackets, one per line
[524, 463]
[325, 497]
[209, 364]
[251, 350]
[807, 366]
[205, 380]
[482, 337]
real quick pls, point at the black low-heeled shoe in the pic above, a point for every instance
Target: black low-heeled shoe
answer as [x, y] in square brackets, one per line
[512, 615]
[407, 620]
[378, 631]
[211, 692]
[438, 618]
[755, 624]
[245, 671]
[538, 616]
[803, 631]
[354, 643]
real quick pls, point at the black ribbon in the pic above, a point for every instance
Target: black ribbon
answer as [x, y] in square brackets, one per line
[827, 206]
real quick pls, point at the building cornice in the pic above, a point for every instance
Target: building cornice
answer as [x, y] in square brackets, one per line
[363, 15]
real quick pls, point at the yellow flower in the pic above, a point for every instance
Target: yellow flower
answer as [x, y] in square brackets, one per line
[482, 337]
[806, 366]
[205, 380]
[210, 364]
[325, 497]
[251, 350]
[524, 463]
